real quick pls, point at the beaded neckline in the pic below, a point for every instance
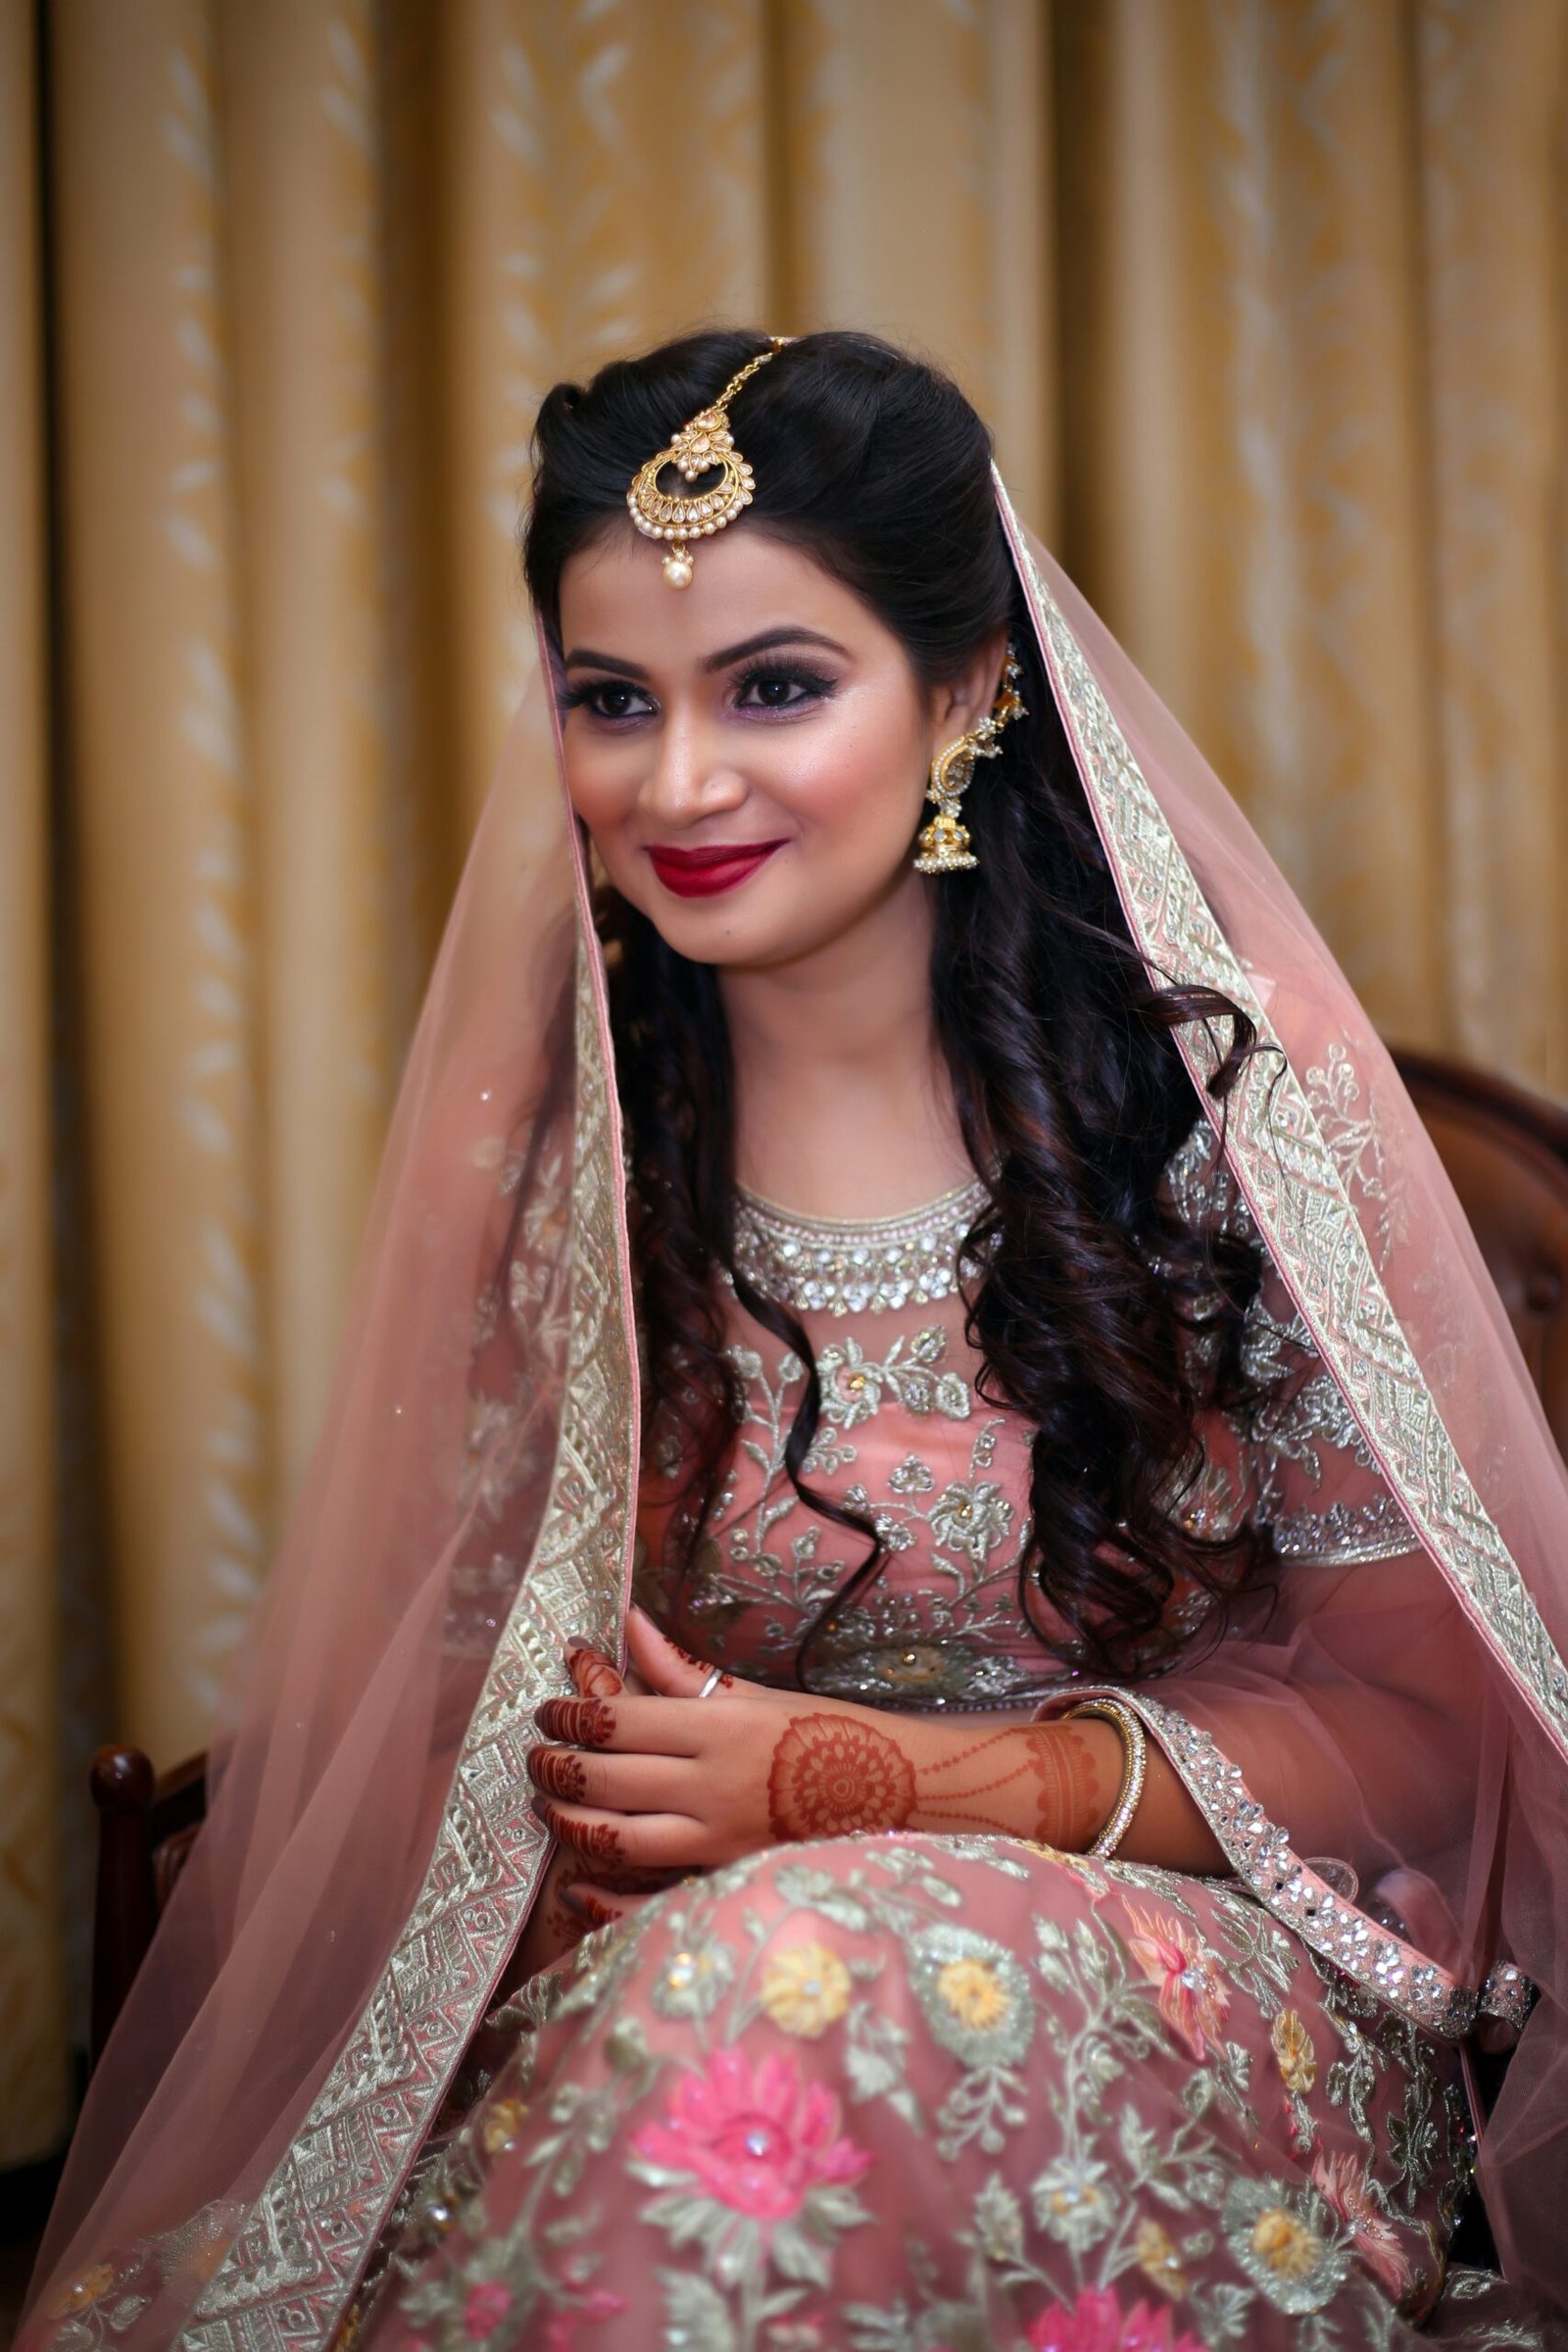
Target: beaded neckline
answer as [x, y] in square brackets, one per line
[847, 1266]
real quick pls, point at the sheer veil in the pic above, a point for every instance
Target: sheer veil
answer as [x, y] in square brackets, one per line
[1384, 1761]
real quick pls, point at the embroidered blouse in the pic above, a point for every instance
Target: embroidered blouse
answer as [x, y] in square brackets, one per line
[907, 1439]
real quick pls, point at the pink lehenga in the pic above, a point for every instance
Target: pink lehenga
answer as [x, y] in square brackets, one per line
[948, 2090]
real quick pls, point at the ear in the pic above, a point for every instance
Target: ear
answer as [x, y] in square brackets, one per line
[962, 701]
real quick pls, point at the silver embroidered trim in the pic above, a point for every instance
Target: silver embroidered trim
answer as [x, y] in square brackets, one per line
[1294, 1184]
[1346, 1535]
[1299, 1896]
[300, 2249]
[839, 1266]
[1507, 1994]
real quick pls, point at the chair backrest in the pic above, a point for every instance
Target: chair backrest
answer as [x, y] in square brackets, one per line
[1507, 1153]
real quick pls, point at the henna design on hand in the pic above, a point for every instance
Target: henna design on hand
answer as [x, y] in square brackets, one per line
[559, 1924]
[596, 1842]
[579, 1722]
[1072, 1803]
[1063, 1808]
[831, 1775]
[593, 1841]
[702, 1666]
[593, 1672]
[592, 1909]
[560, 1771]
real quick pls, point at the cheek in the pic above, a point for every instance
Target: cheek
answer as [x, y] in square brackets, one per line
[601, 786]
[857, 789]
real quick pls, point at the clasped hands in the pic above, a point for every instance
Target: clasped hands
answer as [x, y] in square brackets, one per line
[643, 1782]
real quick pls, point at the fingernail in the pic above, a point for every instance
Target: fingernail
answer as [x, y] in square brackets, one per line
[573, 1902]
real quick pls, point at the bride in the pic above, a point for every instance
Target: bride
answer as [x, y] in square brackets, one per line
[917, 1697]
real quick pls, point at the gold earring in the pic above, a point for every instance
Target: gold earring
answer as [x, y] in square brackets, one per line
[943, 843]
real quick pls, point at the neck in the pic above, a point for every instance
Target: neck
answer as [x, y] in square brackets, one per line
[843, 1103]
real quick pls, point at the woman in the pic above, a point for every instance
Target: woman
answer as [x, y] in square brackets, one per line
[1112, 1454]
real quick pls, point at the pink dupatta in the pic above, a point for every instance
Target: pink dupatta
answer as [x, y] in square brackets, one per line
[1383, 1760]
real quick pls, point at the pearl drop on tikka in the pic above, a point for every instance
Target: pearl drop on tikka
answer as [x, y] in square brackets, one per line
[678, 570]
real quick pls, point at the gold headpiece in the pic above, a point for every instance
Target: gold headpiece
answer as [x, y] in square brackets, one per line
[697, 449]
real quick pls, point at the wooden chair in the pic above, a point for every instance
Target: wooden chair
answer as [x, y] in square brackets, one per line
[146, 1828]
[1507, 1155]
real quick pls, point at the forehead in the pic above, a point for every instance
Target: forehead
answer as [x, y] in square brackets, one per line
[616, 598]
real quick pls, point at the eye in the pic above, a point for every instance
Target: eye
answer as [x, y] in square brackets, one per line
[607, 699]
[781, 689]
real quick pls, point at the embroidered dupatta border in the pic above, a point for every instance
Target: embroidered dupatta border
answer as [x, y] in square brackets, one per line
[292, 2266]
[1276, 1150]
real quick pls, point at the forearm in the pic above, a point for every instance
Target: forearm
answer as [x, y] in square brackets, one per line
[694, 1774]
[1001, 1775]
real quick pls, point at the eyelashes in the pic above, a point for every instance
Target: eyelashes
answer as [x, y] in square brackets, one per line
[775, 687]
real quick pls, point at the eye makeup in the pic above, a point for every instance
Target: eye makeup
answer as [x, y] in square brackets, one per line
[803, 687]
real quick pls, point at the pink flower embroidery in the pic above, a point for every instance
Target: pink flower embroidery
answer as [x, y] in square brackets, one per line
[759, 2144]
[560, 2328]
[1095, 2323]
[1193, 1998]
[1340, 2181]
[485, 2308]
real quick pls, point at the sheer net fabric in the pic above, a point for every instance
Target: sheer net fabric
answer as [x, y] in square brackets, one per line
[371, 1859]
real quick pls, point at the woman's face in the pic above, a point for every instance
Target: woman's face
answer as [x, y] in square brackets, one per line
[749, 753]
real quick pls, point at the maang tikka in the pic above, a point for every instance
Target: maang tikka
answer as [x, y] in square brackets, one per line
[699, 447]
[944, 844]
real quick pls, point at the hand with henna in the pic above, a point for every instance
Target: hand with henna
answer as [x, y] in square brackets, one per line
[668, 1782]
[566, 1907]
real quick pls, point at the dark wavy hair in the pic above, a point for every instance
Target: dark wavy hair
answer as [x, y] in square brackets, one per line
[1058, 1039]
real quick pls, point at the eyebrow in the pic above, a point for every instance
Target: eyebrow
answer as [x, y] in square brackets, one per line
[585, 656]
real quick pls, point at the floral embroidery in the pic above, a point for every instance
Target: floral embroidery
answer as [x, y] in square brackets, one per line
[1294, 2054]
[759, 2144]
[974, 1992]
[503, 2120]
[1016, 2114]
[1074, 2201]
[940, 1625]
[1156, 2253]
[1343, 2182]
[971, 1519]
[1095, 2323]
[975, 1995]
[692, 1983]
[806, 1989]
[1273, 2232]
[484, 2308]
[1193, 1999]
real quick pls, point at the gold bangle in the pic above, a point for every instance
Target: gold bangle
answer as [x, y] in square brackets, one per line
[1135, 1758]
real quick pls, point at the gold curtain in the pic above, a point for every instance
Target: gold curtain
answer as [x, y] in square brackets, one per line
[1267, 300]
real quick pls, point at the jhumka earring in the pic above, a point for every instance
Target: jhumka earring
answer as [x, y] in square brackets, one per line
[943, 843]
[700, 446]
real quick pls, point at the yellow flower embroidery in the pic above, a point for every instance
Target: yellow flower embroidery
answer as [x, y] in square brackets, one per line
[806, 1989]
[1285, 2245]
[1294, 2051]
[83, 2292]
[1158, 2260]
[500, 2127]
[974, 1992]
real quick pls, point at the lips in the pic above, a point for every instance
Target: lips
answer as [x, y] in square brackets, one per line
[704, 873]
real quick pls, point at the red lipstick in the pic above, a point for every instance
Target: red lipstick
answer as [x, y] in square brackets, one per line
[704, 873]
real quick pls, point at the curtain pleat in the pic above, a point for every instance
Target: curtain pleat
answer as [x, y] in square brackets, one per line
[1267, 301]
[32, 2044]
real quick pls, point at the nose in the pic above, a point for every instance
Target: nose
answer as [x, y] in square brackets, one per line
[690, 777]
